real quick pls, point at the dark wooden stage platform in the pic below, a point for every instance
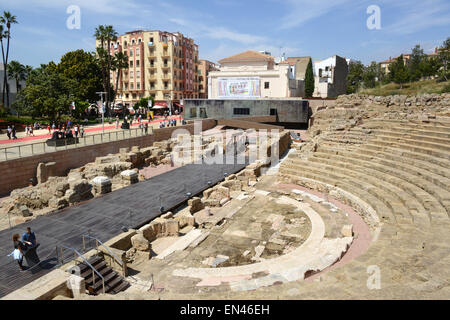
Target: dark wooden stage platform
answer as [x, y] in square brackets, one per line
[104, 218]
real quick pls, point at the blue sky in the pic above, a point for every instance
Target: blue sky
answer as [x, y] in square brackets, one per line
[221, 28]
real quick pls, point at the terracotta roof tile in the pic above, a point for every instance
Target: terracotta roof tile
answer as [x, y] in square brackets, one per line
[247, 56]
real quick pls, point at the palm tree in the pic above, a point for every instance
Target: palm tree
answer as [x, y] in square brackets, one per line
[2, 36]
[120, 62]
[7, 19]
[17, 72]
[106, 35]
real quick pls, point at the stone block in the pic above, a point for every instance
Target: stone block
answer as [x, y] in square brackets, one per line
[195, 204]
[347, 230]
[102, 185]
[129, 177]
[140, 243]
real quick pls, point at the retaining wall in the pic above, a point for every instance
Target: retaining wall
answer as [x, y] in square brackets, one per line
[16, 173]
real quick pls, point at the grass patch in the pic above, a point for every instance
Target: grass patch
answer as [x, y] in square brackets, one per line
[412, 88]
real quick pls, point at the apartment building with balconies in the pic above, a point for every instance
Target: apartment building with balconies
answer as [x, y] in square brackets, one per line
[204, 68]
[162, 64]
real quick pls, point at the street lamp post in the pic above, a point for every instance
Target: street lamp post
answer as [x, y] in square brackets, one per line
[103, 110]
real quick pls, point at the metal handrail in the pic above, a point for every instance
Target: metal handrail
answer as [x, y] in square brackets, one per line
[85, 261]
[97, 241]
[33, 152]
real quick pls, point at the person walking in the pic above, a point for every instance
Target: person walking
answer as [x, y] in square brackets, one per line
[13, 132]
[29, 238]
[19, 249]
[8, 132]
[75, 129]
[117, 122]
[30, 131]
[146, 128]
[82, 131]
[49, 129]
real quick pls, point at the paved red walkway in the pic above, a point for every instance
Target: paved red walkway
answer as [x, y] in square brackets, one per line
[107, 127]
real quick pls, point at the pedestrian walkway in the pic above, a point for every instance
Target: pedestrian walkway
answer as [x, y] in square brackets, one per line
[43, 133]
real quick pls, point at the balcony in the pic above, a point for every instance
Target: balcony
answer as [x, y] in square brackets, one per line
[152, 54]
[152, 67]
[166, 76]
[151, 44]
[165, 66]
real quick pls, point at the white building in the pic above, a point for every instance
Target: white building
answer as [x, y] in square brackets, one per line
[330, 77]
[251, 75]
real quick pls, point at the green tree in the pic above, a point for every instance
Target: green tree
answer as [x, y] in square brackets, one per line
[399, 72]
[47, 93]
[355, 76]
[444, 58]
[370, 75]
[309, 80]
[417, 59]
[120, 62]
[106, 35]
[143, 103]
[82, 67]
[7, 19]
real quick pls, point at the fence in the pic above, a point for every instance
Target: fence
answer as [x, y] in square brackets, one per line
[27, 150]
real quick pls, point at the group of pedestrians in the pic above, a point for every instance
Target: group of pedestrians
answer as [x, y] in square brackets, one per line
[29, 131]
[11, 132]
[24, 245]
[170, 123]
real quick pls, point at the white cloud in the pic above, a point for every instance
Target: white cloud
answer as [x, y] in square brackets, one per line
[421, 16]
[301, 11]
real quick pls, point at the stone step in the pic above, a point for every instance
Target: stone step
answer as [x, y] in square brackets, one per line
[433, 196]
[384, 213]
[419, 202]
[407, 157]
[443, 147]
[419, 132]
[400, 202]
[397, 163]
[376, 146]
[432, 126]
[411, 146]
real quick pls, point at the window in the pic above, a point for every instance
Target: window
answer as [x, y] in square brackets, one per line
[131, 74]
[127, 95]
[203, 113]
[138, 74]
[138, 86]
[131, 63]
[131, 86]
[137, 52]
[134, 95]
[273, 112]
[137, 63]
[131, 52]
[241, 111]
[139, 40]
[193, 112]
[266, 85]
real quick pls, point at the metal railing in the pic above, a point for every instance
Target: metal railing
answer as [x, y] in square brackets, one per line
[97, 242]
[60, 257]
[27, 150]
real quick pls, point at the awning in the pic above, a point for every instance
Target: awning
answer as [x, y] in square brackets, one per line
[178, 105]
[161, 103]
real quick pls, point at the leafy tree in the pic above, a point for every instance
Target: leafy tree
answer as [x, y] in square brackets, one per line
[399, 72]
[7, 19]
[370, 75]
[82, 67]
[444, 58]
[143, 103]
[47, 93]
[418, 59]
[355, 76]
[309, 80]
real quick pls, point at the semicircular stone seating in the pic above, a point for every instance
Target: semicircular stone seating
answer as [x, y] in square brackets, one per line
[400, 171]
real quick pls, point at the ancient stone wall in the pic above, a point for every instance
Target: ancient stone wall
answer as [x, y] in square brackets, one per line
[17, 173]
